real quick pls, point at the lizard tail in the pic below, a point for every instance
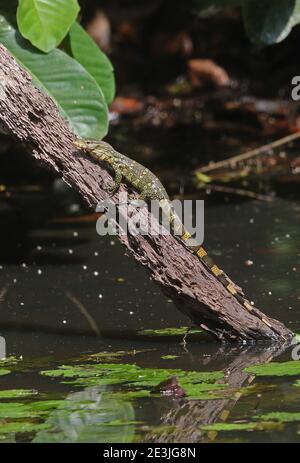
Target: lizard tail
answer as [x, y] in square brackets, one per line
[180, 232]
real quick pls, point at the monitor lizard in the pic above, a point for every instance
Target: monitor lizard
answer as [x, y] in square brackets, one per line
[150, 188]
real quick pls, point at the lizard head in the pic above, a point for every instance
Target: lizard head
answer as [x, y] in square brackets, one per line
[86, 143]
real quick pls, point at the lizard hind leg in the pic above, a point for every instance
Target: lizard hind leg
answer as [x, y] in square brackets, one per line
[141, 200]
[147, 194]
[143, 196]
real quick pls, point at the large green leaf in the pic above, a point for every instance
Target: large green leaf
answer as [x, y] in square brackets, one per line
[291, 368]
[85, 50]
[46, 22]
[73, 89]
[268, 21]
[208, 7]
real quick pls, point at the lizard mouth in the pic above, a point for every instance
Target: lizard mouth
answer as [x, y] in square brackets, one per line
[79, 143]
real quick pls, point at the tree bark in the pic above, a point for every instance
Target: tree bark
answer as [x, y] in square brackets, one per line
[31, 117]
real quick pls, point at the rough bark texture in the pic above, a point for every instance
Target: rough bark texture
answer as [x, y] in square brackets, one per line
[32, 118]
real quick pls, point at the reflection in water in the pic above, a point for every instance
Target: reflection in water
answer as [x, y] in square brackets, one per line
[43, 262]
[187, 417]
[89, 416]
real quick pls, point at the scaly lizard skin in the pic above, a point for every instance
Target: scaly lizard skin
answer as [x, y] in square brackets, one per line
[150, 188]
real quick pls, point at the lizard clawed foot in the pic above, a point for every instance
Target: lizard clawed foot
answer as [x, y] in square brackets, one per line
[111, 190]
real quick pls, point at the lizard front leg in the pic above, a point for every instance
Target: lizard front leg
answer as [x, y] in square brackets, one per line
[118, 179]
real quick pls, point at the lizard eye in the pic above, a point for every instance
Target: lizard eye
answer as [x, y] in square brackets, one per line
[91, 143]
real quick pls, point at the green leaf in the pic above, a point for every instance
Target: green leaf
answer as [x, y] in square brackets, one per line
[197, 385]
[15, 410]
[266, 21]
[209, 7]
[9, 361]
[19, 426]
[46, 22]
[219, 427]
[202, 179]
[169, 332]
[283, 417]
[89, 55]
[291, 368]
[15, 393]
[270, 22]
[72, 88]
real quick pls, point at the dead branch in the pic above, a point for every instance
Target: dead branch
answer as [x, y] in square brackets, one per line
[234, 160]
[31, 117]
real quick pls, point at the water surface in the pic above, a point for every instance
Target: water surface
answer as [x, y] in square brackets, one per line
[67, 294]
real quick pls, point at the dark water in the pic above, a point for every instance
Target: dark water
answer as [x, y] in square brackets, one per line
[68, 293]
